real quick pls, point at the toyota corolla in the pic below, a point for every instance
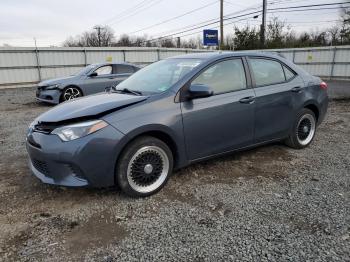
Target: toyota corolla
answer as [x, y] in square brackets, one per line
[173, 113]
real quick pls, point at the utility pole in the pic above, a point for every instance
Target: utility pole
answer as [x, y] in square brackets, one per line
[98, 28]
[263, 25]
[178, 42]
[37, 59]
[221, 24]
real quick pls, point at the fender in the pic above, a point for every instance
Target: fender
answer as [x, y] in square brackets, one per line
[156, 129]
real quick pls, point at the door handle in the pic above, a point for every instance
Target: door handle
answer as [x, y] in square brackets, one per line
[297, 89]
[247, 100]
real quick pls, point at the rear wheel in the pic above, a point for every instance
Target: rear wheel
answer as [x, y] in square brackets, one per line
[303, 131]
[70, 93]
[144, 167]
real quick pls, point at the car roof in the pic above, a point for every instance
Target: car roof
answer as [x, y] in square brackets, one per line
[224, 54]
[119, 63]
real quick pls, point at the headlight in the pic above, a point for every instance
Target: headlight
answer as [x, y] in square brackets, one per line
[32, 124]
[55, 86]
[74, 131]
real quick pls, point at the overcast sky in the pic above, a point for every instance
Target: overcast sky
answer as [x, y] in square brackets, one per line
[52, 21]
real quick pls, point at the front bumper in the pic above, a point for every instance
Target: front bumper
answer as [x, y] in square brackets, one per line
[49, 96]
[87, 161]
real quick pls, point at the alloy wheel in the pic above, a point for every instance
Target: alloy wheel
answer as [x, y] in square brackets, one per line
[148, 169]
[71, 93]
[306, 129]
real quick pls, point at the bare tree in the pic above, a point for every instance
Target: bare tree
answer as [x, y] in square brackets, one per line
[104, 36]
[334, 33]
[124, 40]
[275, 34]
[167, 43]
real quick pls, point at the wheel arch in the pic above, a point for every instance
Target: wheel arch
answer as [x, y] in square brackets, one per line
[314, 108]
[160, 132]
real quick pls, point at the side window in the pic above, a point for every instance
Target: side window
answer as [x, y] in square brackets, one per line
[125, 69]
[267, 72]
[289, 74]
[104, 70]
[225, 76]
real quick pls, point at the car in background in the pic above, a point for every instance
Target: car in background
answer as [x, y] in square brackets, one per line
[91, 79]
[173, 113]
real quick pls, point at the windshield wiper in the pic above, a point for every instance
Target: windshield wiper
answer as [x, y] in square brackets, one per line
[128, 91]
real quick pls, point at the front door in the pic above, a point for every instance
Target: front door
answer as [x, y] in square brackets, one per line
[224, 121]
[96, 84]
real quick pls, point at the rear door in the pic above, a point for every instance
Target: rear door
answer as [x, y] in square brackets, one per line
[275, 86]
[224, 121]
[99, 83]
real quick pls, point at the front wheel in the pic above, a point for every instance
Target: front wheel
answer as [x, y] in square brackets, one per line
[144, 167]
[70, 93]
[304, 130]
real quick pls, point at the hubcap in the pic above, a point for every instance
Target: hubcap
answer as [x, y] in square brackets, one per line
[306, 129]
[71, 93]
[148, 169]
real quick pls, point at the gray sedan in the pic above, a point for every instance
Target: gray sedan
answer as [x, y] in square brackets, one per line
[92, 79]
[173, 113]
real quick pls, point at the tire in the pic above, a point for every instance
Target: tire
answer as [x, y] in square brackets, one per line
[144, 167]
[304, 130]
[69, 93]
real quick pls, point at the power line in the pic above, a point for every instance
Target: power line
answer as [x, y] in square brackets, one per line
[176, 17]
[126, 11]
[214, 20]
[137, 11]
[254, 7]
[158, 38]
[277, 10]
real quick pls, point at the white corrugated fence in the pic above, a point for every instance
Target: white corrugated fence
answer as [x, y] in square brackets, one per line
[28, 66]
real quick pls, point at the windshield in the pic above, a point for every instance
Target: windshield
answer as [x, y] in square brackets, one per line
[160, 76]
[85, 70]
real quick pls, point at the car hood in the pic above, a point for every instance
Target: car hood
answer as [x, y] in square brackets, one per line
[56, 80]
[89, 107]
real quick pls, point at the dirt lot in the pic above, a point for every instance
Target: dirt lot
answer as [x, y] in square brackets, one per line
[268, 204]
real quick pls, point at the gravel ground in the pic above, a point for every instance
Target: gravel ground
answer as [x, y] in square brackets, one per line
[267, 204]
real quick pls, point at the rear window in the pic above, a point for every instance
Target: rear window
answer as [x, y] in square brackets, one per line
[267, 72]
[125, 69]
[289, 73]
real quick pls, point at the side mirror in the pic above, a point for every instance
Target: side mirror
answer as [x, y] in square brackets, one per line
[93, 74]
[199, 91]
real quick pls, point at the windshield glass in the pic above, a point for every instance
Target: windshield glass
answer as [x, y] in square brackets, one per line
[85, 70]
[160, 76]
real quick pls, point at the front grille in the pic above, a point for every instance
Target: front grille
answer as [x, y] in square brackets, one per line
[41, 167]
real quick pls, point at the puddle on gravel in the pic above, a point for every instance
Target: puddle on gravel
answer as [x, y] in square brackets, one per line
[100, 231]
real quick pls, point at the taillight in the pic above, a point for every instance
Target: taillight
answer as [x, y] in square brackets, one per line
[324, 86]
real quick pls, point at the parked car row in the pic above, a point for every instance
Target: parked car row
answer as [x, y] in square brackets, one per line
[170, 114]
[92, 79]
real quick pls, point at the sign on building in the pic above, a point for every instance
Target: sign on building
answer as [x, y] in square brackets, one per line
[210, 37]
